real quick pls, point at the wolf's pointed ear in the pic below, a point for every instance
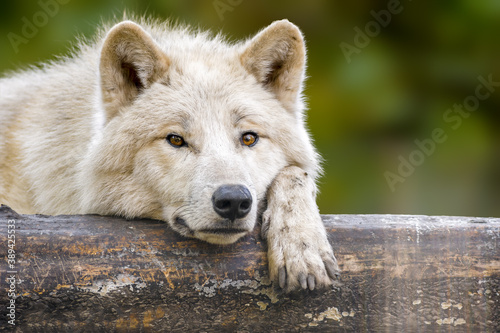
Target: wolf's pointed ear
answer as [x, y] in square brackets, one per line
[130, 62]
[276, 57]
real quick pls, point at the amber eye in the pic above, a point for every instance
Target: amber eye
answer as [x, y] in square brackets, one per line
[175, 140]
[249, 139]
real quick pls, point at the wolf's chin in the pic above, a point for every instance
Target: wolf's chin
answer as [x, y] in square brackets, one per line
[219, 238]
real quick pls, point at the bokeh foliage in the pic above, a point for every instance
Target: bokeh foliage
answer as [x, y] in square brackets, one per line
[363, 114]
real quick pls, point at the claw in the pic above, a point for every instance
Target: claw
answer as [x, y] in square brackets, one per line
[303, 280]
[333, 269]
[311, 281]
[282, 277]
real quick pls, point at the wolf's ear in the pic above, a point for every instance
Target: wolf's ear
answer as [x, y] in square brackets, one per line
[130, 62]
[276, 57]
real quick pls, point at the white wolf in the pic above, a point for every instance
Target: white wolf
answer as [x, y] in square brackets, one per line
[158, 121]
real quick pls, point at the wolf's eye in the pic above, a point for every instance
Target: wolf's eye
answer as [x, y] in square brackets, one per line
[175, 141]
[249, 139]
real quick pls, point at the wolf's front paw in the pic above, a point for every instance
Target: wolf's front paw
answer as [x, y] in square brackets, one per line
[299, 253]
[299, 256]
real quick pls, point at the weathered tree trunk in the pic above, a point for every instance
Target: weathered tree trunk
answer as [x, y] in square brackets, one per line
[105, 274]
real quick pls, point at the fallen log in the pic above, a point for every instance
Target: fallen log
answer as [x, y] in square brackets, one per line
[106, 274]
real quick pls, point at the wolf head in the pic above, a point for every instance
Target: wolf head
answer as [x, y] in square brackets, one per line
[194, 130]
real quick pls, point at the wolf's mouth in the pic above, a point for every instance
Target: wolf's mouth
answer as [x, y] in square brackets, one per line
[214, 231]
[180, 221]
[182, 227]
[223, 231]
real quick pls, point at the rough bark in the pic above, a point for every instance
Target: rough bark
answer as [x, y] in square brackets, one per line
[106, 274]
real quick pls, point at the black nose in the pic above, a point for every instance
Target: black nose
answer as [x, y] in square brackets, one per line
[232, 201]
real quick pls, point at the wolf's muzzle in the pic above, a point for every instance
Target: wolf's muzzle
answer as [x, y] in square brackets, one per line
[232, 201]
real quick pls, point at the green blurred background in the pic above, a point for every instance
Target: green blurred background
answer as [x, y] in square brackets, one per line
[364, 114]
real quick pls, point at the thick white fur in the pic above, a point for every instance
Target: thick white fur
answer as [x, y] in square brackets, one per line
[86, 134]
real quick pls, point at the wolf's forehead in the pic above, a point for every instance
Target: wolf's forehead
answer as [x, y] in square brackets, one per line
[223, 91]
[211, 97]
